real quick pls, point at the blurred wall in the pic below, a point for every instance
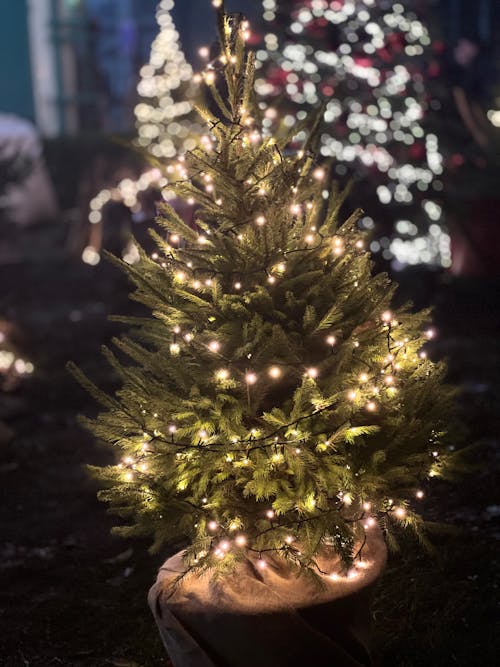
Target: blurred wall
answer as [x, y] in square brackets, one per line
[15, 68]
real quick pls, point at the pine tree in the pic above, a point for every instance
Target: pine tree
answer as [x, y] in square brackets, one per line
[272, 403]
[368, 60]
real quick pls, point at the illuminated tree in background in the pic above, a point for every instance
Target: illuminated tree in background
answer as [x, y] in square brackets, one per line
[367, 60]
[165, 127]
[167, 92]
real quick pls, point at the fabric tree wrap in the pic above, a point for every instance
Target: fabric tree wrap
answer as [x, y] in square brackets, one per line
[268, 617]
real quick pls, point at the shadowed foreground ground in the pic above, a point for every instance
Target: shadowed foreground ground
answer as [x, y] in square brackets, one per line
[70, 594]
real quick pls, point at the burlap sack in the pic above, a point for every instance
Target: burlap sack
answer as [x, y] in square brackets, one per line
[267, 617]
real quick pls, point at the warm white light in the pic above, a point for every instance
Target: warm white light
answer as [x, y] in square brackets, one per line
[214, 346]
[309, 239]
[212, 525]
[204, 52]
[250, 378]
[175, 349]
[261, 564]
[371, 406]
[222, 374]
[237, 285]
[331, 340]
[352, 395]
[172, 428]
[400, 512]
[363, 377]
[241, 540]
[419, 494]
[312, 372]
[289, 539]
[389, 379]
[386, 316]
[319, 173]
[275, 372]
[260, 220]
[270, 514]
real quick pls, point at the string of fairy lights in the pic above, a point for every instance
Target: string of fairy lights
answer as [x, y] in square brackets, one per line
[376, 59]
[12, 366]
[368, 392]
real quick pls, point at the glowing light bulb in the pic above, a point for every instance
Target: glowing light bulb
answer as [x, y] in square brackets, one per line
[241, 540]
[352, 395]
[289, 539]
[334, 576]
[386, 316]
[271, 280]
[204, 51]
[250, 378]
[400, 512]
[188, 337]
[237, 285]
[419, 494]
[214, 346]
[174, 238]
[222, 374]
[331, 340]
[312, 373]
[224, 545]
[172, 428]
[309, 239]
[177, 329]
[181, 276]
[367, 507]
[270, 514]
[212, 525]
[175, 349]
[430, 333]
[423, 355]
[319, 174]
[275, 372]
[261, 564]
[260, 220]
[389, 379]
[363, 377]
[371, 406]
[202, 240]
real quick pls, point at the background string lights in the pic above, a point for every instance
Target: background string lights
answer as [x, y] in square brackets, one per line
[368, 60]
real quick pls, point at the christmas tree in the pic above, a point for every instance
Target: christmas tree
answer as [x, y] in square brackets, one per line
[165, 126]
[368, 61]
[272, 402]
[167, 93]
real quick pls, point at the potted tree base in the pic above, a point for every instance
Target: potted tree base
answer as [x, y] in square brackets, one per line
[266, 615]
